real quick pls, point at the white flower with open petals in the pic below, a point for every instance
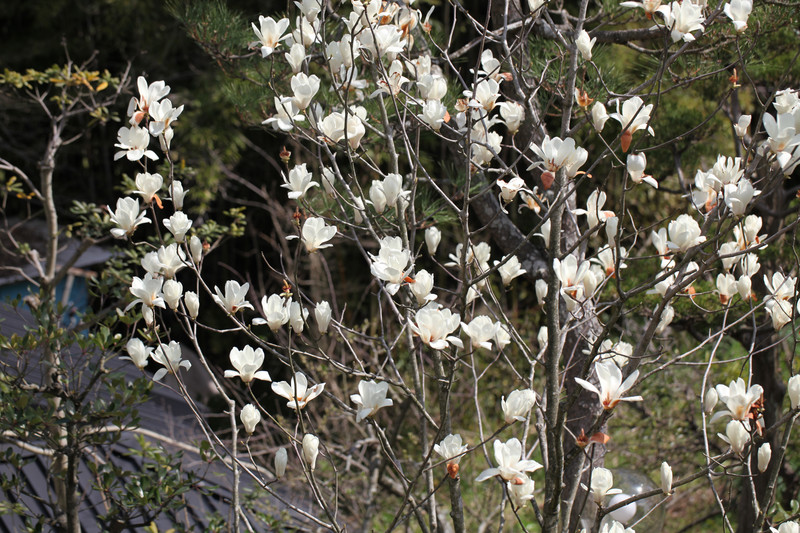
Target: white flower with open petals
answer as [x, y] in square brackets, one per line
[247, 362]
[138, 352]
[371, 397]
[602, 481]
[481, 331]
[636, 167]
[299, 182]
[304, 88]
[391, 263]
[234, 298]
[276, 312]
[556, 153]
[148, 185]
[611, 385]
[147, 291]
[127, 216]
[421, 287]
[512, 114]
[315, 234]
[149, 94]
[633, 116]
[297, 392]
[269, 33]
[518, 405]
[169, 355]
[510, 463]
[509, 270]
[451, 449]
[682, 18]
[133, 143]
[684, 233]
[649, 6]
[433, 326]
[286, 115]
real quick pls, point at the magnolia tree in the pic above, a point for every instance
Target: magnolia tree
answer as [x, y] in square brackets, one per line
[508, 287]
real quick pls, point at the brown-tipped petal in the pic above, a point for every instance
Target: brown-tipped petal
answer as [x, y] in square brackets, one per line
[625, 141]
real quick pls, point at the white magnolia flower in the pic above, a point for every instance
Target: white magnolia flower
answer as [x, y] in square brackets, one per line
[234, 298]
[162, 115]
[599, 116]
[710, 400]
[512, 114]
[296, 56]
[738, 11]
[737, 435]
[127, 216]
[192, 302]
[764, 455]
[421, 287]
[138, 352]
[297, 317]
[434, 113]
[518, 405]
[433, 236]
[276, 311]
[738, 196]
[281, 460]
[666, 319]
[611, 385]
[310, 450]
[169, 355]
[510, 463]
[636, 166]
[682, 18]
[585, 44]
[371, 397]
[299, 182]
[304, 88]
[793, 389]
[178, 224]
[139, 108]
[780, 287]
[172, 291]
[556, 153]
[433, 326]
[451, 449]
[633, 116]
[315, 234]
[148, 185]
[520, 490]
[742, 125]
[297, 392]
[390, 265]
[250, 417]
[147, 291]
[322, 312]
[787, 527]
[509, 270]
[780, 311]
[684, 233]
[649, 6]
[269, 33]
[481, 330]
[133, 143]
[287, 114]
[247, 362]
[601, 485]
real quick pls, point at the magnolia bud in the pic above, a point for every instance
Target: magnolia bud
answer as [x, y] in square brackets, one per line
[764, 455]
[172, 293]
[432, 239]
[196, 247]
[250, 417]
[794, 391]
[323, 315]
[710, 400]
[310, 450]
[281, 458]
[192, 302]
[666, 478]
[541, 290]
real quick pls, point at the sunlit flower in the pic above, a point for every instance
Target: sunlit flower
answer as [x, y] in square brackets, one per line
[741, 125]
[149, 94]
[509, 270]
[297, 392]
[633, 116]
[269, 33]
[133, 142]
[322, 313]
[684, 233]
[636, 166]
[280, 461]
[127, 217]
[171, 292]
[304, 88]
[299, 182]
[764, 455]
[599, 116]
[148, 185]
[512, 114]
[287, 114]
[310, 450]
[371, 397]
[602, 481]
[451, 449]
[234, 298]
[611, 385]
[276, 312]
[780, 311]
[649, 6]
[737, 435]
[247, 363]
[178, 224]
[421, 287]
[518, 405]
[556, 153]
[138, 352]
[391, 262]
[738, 11]
[169, 355]
[793, 389]
[316, 234]
[192, 302]
[510, 463]
[296, 56]
[433, 114]
[585, 44]
[433, 236]
[682, 18]
[250, 417]
[433, 326]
